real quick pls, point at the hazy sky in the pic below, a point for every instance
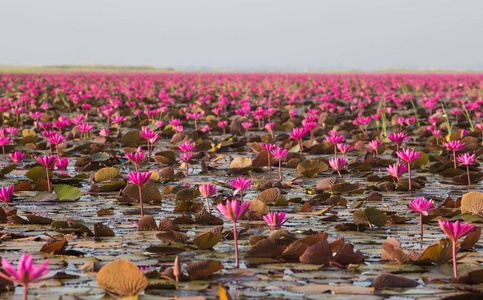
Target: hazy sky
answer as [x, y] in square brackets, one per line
[364, 34]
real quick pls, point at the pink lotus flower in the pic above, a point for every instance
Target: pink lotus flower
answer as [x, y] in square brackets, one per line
[408, 156]
[207, 190]
[397, 170]
[25, 273]
[279, 153]
[240, 184]
[85, 128]
[150, 136]
[298, 134]
[421, 205]
[269, 148]
[375, 145]
[337, 164]
[17, 156]
[62, 163]
[247, 126]
[454, 146]
[104, 132]
[139, 179]
[234, 211]
[55, 140]
[454, 231]
[276, 219]
[223, 125]
[47, 161]
[6, 194]
[467, 160]
[135, 158]
[310, 126]
[335, 140]
[186, 146]
[344, 149]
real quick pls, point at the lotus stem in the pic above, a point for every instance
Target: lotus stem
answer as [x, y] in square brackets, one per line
[25, 291]
[141, 201]
[280, 169]
[269, 164]
[409, 172]
[455, 268]
[454, 158]
[49, 187]
[421, 227]
[468, 173]
[235, 235]
[208, 205]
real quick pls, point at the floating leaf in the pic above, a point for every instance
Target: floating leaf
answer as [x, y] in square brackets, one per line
[202, 269]
[439, 254]
[473, 238]
[391, 251]
[8, 169]
[265, 248]
[150, 193]
[207, 240]
[472, 202]
[105, 174]
[171, 237]
[297, 248]
[67, 192]
[319, 254]
[100, 156]
[131, 138]
[122, 277]
[37, 173]
[102, 230]
[147, 223]
[311, 167]
[388, 280]
[259, 207]
[269, 195]
[369, 216]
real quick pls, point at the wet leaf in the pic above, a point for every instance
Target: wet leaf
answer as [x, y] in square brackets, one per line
[319, 254]
[439, 254]
[369, 216]
[67, 192]
[269, 195]
[472, 202]
[150, 193]
[102, 230]
[268, 248]
[147, 223]
[473, 238]
[105, 174]
[391, 251]
[202, 269]
[37, 173]
[172, 237]
[388, 280]
[207, 240]
[310, 167]
[122, 278]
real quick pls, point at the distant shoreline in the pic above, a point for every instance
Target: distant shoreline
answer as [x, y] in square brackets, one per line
[151, 69]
